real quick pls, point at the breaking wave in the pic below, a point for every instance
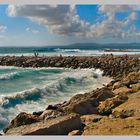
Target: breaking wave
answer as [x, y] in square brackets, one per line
[41, 87]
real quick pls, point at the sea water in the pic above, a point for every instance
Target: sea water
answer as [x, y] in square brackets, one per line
[44, 51]
[32, 89]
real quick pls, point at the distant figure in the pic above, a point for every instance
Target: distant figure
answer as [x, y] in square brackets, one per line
[60, 56]
[36, 54]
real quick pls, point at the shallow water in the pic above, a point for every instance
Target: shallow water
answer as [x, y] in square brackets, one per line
[32, 89]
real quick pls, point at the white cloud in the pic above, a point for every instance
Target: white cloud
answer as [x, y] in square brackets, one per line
[2, 28]
[63, 19]
[60, 19]
[28, 29]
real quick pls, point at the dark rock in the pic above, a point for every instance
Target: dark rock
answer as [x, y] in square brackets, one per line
[37, 113]
[51, 107]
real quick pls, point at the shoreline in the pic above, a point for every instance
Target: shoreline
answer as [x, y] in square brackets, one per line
[97, 105]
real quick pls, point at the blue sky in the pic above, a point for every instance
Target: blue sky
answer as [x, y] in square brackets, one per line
[64, 24]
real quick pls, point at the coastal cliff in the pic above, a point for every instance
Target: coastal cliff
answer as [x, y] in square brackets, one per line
[111, 110]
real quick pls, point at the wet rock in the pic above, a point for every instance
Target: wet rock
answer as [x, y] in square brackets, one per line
[37, 113]
[106, 107]
[75, 132]
[58, 126]
[22, 119]
[52, 107]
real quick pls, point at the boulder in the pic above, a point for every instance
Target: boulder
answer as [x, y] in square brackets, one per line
[135, 87]
[87, 103]
[37, 113]
[117, 85]
[123, 113]
[106, 107]
[81, 106]
[102, 94]
[132, 78]
[22, 119]
[58, 126]
[129, 108]
[122, 90]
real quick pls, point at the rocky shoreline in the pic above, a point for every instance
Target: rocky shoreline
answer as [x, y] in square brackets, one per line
[111, 110]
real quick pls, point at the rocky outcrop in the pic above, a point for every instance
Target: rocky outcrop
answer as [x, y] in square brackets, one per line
[107, 126]
[87, 103]
[122, 90]
[58, 126]
[22, 119]
[129, 108]
[106, 107]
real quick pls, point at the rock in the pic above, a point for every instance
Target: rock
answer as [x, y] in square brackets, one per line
[117, 85]
[91, 118]
[135, 87]
[75, 132]
[102, 94]
[22, 119]
[113, 127]
[105, 107]
[122, 90]
[132, 78]
[123, 113]
[37, 113]
[81, 104]
[48, 114]
[129, 108]
[87, 103]
[51, 107]
[86, 107]
[58, 126]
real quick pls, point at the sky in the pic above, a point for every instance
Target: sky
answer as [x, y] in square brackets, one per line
[45, 25]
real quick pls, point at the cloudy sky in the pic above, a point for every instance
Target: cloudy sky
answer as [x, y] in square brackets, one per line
[41, 25]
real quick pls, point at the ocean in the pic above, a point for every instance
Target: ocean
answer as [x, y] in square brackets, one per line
[29, 51]
[32, 89]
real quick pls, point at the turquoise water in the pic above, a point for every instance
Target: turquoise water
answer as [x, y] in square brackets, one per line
[32, 89]
[29, 51]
